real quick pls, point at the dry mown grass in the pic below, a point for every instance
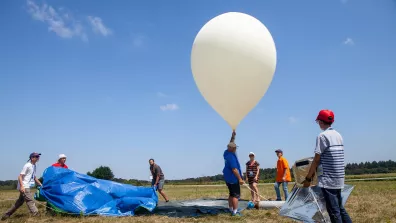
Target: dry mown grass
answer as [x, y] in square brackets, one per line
[369, 202]
[365, 176]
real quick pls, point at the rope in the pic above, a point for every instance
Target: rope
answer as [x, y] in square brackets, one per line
[258, 194]
[269, 200]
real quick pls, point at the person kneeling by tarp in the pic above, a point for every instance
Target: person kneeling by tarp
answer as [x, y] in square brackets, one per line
[62, 164]
[61, 161]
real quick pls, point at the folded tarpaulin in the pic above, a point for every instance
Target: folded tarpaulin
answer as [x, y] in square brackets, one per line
[77, 193]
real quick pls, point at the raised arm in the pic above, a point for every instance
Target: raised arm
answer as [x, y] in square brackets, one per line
[233, 136]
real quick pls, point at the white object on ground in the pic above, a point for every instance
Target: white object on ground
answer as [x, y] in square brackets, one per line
[270, 204]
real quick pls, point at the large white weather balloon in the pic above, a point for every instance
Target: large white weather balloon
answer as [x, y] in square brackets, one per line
[233, 61]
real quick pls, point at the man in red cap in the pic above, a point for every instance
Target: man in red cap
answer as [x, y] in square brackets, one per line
[26, 180]
[329, 165]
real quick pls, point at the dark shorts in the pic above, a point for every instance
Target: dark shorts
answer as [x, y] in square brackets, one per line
[234, 189]
[252, 180]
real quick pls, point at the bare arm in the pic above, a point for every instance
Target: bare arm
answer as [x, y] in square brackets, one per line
[157, 179]
[233, 136]
[321, 145]
[37, 181]
[157, 172]
[246, 177]
[314, 165]
[236, 173]
[21, 188]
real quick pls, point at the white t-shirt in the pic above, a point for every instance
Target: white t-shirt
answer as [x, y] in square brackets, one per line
[29, 172]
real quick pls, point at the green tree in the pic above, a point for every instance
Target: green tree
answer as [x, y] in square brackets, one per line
[102, 172]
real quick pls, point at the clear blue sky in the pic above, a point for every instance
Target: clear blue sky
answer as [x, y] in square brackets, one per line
[110, 83]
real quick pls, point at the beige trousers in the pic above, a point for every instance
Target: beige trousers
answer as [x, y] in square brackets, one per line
[24, 197]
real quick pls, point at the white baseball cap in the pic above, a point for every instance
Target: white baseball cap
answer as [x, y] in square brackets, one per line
[251, 153]
[62, 156]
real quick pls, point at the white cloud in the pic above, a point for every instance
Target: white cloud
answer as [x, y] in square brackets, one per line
[60, 22]
[169, 107]
[64, 25]
[349, 41]
[292, 120]
[161, 95]
[98, 26]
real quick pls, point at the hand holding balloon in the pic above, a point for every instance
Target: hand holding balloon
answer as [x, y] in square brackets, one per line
[233, 136]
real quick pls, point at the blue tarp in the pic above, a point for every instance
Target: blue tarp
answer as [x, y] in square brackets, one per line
[78, 193]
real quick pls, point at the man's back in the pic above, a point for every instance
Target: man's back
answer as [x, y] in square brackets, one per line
[331, 170]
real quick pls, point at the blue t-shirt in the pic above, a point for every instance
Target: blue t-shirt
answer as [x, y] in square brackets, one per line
[230, 162]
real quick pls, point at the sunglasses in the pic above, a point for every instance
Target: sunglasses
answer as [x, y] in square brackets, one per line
[35, 156]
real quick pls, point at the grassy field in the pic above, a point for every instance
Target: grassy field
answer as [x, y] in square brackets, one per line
[367, 176]
[369, 202]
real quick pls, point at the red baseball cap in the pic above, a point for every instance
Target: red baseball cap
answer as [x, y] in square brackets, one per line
[326, 116]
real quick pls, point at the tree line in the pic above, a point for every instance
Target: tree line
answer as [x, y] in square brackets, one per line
[267, 175]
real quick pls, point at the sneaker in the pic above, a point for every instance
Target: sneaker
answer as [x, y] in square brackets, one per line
[238, 214]
[4, 217]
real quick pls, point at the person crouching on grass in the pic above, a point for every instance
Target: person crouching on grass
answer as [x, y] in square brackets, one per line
[26, 180]
[329, 164]
[252, 176]
[232, 175]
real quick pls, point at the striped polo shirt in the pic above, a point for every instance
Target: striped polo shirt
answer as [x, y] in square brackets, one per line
[331, 169]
